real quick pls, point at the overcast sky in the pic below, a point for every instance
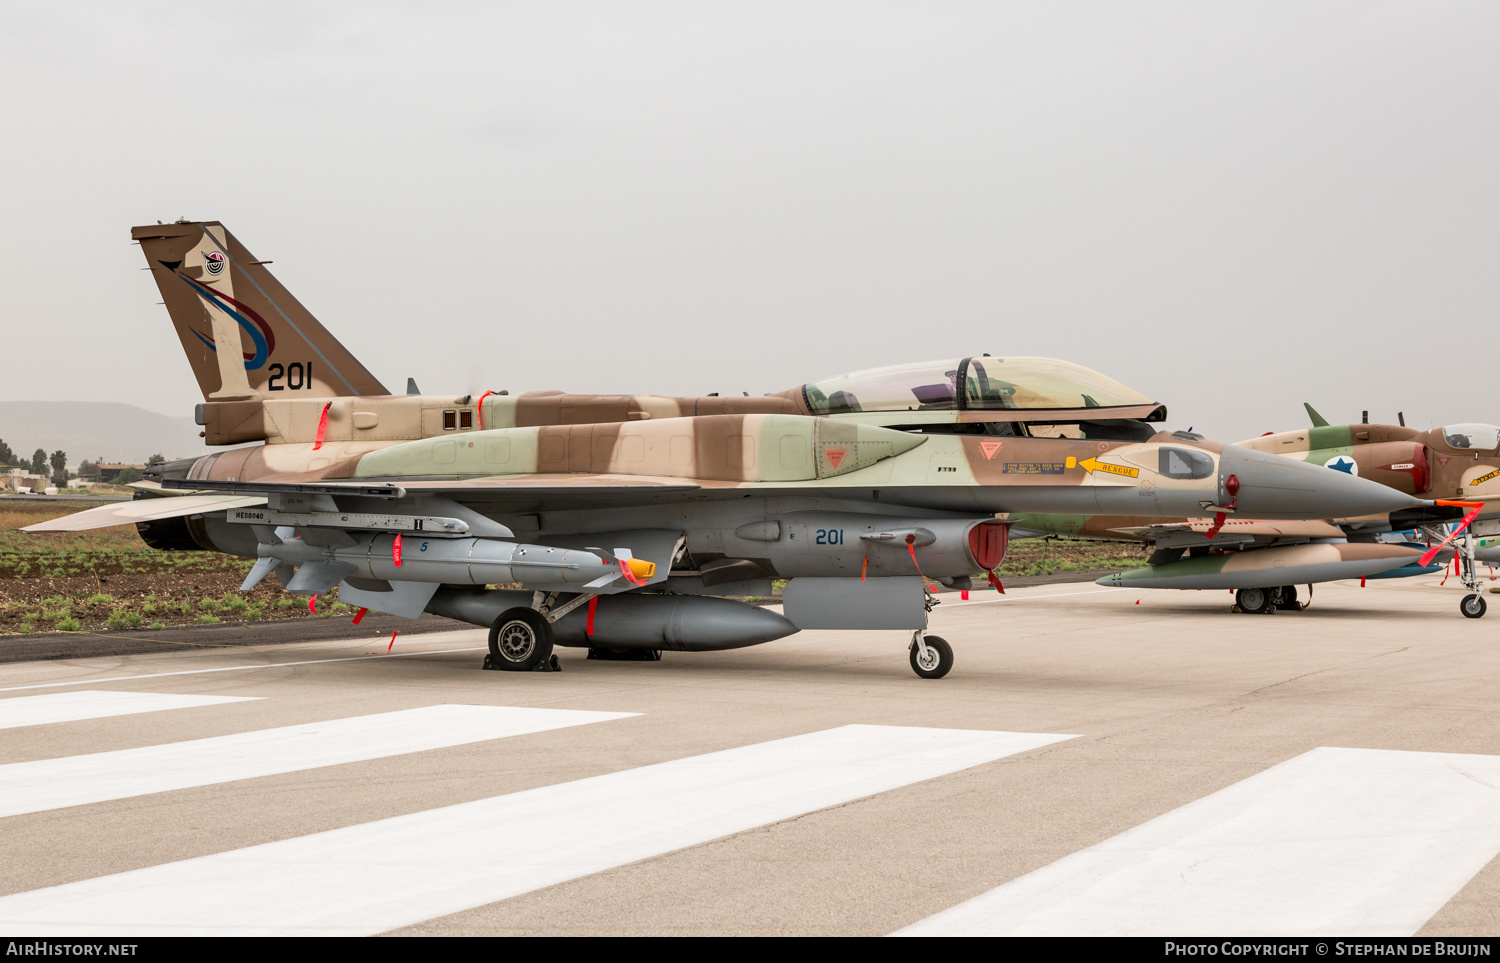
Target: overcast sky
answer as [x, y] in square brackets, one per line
[1233, 208]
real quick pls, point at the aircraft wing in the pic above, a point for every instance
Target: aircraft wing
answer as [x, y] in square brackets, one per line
[147, 510]
[528, 493]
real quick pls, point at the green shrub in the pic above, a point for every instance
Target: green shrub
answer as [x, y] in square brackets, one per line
[157, 625]
[117, 620]
[206, 619]
[235, 603]
[286, 603]
[208, 605]
[148, 608]
[99, 599]
[67, 625]
[25, 628]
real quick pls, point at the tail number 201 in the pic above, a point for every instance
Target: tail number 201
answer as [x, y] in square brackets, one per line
[830, 536]
[297, 374]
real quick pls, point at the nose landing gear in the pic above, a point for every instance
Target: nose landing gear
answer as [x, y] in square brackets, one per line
[1473, 605]
[931, 657]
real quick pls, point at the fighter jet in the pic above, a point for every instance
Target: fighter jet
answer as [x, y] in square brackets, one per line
[630, 524]
[1457, 466]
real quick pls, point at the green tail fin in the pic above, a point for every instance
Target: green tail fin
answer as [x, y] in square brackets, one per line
[1318, 420]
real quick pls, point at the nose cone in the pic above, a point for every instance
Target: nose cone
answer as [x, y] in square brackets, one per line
[1275, 486]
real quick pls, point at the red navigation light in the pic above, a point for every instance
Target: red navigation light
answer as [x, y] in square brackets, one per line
[1232, 486]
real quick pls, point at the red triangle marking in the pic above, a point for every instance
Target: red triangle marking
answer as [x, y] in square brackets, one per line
[835, 455]
[989, 448]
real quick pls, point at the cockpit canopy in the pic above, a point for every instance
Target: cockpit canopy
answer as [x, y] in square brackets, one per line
[1472, 437]
[970, 384]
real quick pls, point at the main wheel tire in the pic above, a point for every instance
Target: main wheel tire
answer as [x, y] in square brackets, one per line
[520, 640]
[939, 658]
[1289, 601]
[1253, 600]
[1473, 606]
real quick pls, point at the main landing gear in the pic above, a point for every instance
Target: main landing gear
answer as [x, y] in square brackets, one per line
[521, 641]
[931, 657]
[1473, 604]
[1263, 601]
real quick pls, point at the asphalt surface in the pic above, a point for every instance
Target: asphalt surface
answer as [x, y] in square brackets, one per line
[1138, 704]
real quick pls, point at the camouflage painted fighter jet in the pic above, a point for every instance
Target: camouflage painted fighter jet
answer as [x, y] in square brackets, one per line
[629, 523]
[1457, 466]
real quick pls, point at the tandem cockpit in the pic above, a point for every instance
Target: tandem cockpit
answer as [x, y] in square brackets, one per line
[1023, 397]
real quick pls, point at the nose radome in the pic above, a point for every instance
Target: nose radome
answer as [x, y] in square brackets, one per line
[1275, 486]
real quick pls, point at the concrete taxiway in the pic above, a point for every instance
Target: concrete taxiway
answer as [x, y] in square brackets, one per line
[1099, 761]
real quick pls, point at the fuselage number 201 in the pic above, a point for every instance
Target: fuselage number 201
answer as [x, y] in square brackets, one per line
[830, 536]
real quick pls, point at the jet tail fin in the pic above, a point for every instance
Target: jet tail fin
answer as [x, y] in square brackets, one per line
[1318, 421]
[220, 296]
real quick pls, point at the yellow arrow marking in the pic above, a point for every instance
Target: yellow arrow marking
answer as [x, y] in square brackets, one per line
[1093, 465]
[1484, 478]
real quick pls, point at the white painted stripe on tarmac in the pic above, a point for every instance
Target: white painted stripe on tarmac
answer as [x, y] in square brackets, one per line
[1336, 842]
[379, 876]
[40, 710]
[28, 787]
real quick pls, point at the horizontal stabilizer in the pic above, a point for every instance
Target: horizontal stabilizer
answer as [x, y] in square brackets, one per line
[145, 510]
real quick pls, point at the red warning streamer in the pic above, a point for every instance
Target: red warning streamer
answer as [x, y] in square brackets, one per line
[629, 575]
[360, 615]
[995, 581]
[479, 410]
[322, 426]
[588, 629]
[396, 550]
[393, 641]
[312, 605]
[1426, 559]
[912, 549]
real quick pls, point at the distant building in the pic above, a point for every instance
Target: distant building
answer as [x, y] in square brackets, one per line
[19, 480]
[105, 473]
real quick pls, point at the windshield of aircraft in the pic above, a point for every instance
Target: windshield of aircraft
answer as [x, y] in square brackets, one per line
[988, 383]
[1478, 437]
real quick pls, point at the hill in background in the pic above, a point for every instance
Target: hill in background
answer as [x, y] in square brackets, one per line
[96, 429]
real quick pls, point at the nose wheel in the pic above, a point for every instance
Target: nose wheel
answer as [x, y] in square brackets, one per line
[931, 657]
[1473, 605]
